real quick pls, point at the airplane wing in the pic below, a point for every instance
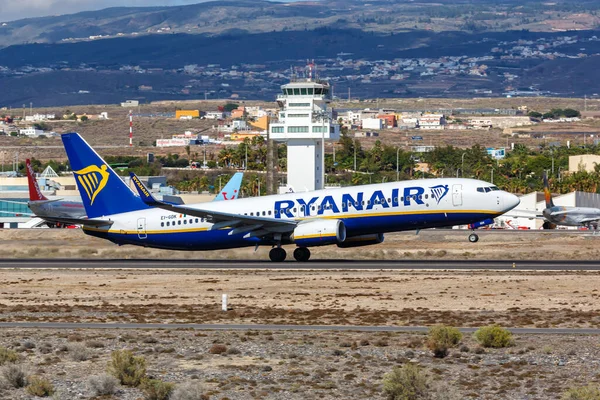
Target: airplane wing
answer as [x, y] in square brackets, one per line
[77, 221]
[241, 223]
[589, 220]
[523, 214]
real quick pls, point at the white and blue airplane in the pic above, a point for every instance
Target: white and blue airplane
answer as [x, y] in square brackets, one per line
[346, 217]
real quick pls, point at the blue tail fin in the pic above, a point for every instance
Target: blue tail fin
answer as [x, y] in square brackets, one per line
[103, 192]
[231, 189]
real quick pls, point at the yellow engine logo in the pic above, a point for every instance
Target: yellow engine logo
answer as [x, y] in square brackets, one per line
[93, 179]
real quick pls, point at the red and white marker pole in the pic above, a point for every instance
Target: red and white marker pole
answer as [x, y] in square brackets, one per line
[130, 128]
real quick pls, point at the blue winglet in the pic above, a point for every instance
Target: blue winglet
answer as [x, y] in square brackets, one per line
[143, 191]
[231, 189]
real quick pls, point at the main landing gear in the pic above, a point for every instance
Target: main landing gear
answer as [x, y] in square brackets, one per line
[302, 254]
[473, 238]
[277, 254]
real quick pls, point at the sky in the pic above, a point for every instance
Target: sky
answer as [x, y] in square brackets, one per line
[11, 10]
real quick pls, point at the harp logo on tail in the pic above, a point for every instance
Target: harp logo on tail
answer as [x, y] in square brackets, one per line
[438, 192]
[93, 180]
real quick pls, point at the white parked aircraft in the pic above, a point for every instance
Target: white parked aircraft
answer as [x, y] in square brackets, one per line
[346, 217]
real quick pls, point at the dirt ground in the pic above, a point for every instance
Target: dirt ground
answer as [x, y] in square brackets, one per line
[307, 365]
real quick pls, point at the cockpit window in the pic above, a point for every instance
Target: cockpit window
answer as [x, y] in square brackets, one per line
[480, 189]
[495, 188]
[487, 189]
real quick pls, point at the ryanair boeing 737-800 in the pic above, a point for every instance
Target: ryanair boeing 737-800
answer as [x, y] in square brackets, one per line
[346, 217]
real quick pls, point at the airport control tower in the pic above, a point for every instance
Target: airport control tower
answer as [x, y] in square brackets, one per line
[305, 123]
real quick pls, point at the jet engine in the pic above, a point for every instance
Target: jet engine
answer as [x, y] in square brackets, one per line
[319, 233]
[362, 240]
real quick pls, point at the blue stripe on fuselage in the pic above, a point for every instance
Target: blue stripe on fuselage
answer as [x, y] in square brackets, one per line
[220, 238]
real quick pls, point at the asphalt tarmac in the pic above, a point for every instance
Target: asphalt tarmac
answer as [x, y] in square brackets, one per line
[529, 265]
[232, 327]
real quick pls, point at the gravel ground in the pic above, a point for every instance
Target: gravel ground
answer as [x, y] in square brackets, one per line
[307, 365]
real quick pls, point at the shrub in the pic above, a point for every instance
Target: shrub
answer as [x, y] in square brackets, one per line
[102, 385]
[94, 344]
[7, 355]
[127, 368]
[441, 338]
[39, 386]
[493, 336]
[589, 392]
[408, 382]
[188, 391]
[78, 352]
[155, 389]
[218, 349]
[14, 376]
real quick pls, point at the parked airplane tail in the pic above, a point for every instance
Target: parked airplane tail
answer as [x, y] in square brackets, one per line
[35, 194]
[231, 189]
[103, 192]
[547, 194]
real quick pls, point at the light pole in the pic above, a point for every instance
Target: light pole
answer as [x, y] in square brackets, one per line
[462, 165]
[397, 170]
[492, 175]
[559, 173]
[354, 155]
[258, 181]
[246, 162]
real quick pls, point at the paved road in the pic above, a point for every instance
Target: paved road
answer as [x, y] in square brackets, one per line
[530, 265]
[356, 328]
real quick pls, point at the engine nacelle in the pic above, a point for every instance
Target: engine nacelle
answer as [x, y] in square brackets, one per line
[362, 240]
[319, 232]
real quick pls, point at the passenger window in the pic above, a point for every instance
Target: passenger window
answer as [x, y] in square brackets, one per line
[389, 200]
[356, 204]
[426, 196]
[251, 214]
[313, 208]
[420, 197]
[319, 207]
[395, 199]
[269, 212]
[168, 223]
[402, 198]
[179, 222]
[276, 213]
[185, 221]
[368, 202]
[294, 209]
[264, 213]
[363, 202]
[162, 224]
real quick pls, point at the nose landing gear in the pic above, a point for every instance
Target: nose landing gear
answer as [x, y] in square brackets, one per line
[473, 238]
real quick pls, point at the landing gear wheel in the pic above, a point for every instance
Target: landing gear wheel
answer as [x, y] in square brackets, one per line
[473, 238]
[277, 254]
[302, 254]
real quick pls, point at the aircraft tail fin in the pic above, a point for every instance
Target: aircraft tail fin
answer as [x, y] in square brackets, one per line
[231, 189]
[103, 191]
[35, 194]
[547, 193]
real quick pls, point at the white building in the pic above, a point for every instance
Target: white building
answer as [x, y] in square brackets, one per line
[31, 132]
[431, 121]
[305, 123]
[372, 123]
[39, 117]
[130, 103]
[214, 115]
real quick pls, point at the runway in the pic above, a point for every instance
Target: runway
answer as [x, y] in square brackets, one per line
[527, 265]
[321, 328]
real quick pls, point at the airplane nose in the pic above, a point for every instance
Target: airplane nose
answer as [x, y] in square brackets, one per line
[510, 201]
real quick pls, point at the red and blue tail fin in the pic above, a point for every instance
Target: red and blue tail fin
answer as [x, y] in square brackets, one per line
[103, 191]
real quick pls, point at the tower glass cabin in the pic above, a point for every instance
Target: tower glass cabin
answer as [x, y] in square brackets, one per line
[305, 122]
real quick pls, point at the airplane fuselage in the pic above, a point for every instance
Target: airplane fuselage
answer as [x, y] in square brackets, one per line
[572, 216]
[364, 210]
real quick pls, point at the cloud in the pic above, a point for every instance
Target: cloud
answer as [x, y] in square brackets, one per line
[11, 10]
